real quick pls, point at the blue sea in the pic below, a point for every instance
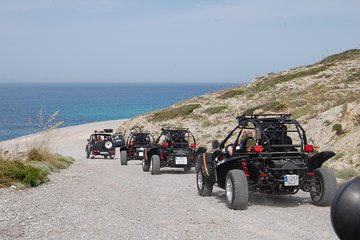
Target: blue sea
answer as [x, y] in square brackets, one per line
[78, 103]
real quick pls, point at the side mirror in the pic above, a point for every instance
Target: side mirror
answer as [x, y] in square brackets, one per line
[88, 139]
[215, 144]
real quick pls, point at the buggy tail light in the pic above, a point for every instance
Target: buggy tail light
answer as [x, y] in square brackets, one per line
[245, 168]
[309, 148]
[192, 145]
[258, 148]
[161, 155]
[132, 143]
[165, 143]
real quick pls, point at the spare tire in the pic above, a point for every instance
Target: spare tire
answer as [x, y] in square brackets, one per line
[108, 144]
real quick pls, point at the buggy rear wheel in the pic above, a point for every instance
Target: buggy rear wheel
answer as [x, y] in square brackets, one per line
[204, 186]
[123, 157]
[236, 189]
[145, 165]
[155, 164]
[322, 192]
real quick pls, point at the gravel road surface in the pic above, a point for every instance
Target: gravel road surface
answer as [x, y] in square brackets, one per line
[100, 199]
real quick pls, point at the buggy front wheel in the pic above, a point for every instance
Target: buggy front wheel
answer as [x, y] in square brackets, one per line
[155, 164]
[123, 157]
[236, 189]
[204, 185]
[324, 188]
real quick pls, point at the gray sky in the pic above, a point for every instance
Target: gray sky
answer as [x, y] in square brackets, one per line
[172, 41]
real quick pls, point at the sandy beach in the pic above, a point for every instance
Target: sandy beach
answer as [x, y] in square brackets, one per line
[100, 199]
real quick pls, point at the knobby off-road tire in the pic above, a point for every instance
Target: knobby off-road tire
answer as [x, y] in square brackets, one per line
[155, 164]
[236, 189]
[327, 187]
[145, 165]
[123, 157]
[204, 186]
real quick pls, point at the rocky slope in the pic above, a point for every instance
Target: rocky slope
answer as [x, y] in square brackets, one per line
[323, 96]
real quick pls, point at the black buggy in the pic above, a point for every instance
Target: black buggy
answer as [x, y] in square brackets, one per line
[175, 147]
[135, 146]
[269, 154]
[100, 143]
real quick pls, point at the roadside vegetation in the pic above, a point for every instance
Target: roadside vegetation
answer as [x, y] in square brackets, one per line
[31, 168]
[214, 110]
[232, 93]
[175, 112]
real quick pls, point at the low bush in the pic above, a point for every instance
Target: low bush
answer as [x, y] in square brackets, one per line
[17, 171]
[171, 113]
[338, 129]
[273, 106]
[214, 110]
[267, 84]
[33, 169]
[232, 93]
[349, 54]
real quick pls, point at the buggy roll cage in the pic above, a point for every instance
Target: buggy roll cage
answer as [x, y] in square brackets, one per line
[272, 122]
[135, 133]
[165, 130]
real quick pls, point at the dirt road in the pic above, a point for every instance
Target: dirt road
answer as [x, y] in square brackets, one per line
[100, 199]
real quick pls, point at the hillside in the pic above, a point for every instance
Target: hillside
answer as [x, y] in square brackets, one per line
[323, 96]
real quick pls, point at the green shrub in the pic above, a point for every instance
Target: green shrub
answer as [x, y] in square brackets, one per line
[271, 106]
[16, 171]
[214, 110]
[171, 113]
[338, 129]
[232, 93]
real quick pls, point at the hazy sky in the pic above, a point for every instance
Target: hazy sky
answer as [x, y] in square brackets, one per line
[164, 40]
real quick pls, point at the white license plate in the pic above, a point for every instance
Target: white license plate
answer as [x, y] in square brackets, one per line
[291, 180]
[104, 153]
[181, 160]
[141, 154]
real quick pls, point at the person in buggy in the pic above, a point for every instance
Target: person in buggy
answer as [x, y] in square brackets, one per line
[246, 141]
